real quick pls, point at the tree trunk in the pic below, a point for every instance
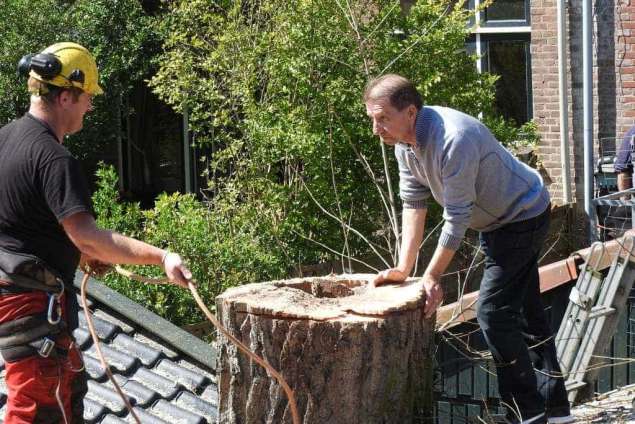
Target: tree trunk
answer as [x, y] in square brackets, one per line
[350, 352]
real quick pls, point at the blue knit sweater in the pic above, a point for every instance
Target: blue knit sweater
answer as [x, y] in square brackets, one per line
[478, 182]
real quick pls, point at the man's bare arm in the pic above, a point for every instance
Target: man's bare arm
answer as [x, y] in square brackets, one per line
[413, 226]
[114, 248]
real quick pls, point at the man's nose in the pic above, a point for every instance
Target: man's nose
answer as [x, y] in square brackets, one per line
[375, 128]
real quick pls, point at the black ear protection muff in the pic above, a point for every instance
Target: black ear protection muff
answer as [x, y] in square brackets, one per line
[44, 64]
[47, 66]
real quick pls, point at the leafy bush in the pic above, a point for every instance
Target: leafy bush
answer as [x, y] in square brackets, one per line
[512, 135]
[223, 247]
[274, 89]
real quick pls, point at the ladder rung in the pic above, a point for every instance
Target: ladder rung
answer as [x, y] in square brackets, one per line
[574, 385]
[601, 311]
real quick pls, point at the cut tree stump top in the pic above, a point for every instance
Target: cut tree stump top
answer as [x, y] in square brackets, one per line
[341, 297]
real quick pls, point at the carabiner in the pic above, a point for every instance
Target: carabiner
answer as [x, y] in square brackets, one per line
[54, 307]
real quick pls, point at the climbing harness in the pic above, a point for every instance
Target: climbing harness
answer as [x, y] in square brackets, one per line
[36, 333]
[262, 362]
[20, 337]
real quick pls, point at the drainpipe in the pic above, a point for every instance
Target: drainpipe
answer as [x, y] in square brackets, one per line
[187, 154]
[587, 65]
[564, 104]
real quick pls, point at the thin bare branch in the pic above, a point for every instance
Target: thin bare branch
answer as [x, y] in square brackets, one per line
[353, 230]
[436, 227]
[335, 251]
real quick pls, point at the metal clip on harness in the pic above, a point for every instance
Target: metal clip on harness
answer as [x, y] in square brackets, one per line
[54, 312]
[47, 347]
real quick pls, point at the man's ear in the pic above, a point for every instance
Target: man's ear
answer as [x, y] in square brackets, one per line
[412, 111]
[64, 99]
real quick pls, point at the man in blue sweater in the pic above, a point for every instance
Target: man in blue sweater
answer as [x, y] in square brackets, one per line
[452, 157]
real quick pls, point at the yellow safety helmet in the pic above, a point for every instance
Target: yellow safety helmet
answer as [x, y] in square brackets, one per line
[66, 65]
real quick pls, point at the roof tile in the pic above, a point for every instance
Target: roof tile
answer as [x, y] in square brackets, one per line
[105, 330]
[142, 395]
[82, 337]
[191, 380]
[147, 355]
[94, 368]
[111, 419]
[148, 418]
[123, 326]
[107, 397]
[175, 414]
[210, 394]
[191, 402]
[93, 411]
[155, 372]
[121, 362]
[167, 388]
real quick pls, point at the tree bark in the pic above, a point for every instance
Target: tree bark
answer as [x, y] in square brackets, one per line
[350, 352]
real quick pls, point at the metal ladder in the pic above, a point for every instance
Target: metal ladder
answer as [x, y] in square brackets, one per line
[591, 318]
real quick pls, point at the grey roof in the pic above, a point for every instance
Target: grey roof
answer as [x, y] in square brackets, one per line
[166, 372]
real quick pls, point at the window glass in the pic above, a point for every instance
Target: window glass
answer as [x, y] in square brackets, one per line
[502, 10]
[509, 60]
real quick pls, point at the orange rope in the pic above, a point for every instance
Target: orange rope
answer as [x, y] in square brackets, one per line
[93, 334]
[262, 362]
[245, 349]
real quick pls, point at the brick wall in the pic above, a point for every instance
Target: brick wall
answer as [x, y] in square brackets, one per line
[614, 83]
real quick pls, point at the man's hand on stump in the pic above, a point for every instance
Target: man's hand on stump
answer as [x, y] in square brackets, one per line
[387, 276]
[434, 294]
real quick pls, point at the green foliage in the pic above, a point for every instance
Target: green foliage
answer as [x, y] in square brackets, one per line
[223, 247]
[125, 218]
[511, 135]
[274, 89]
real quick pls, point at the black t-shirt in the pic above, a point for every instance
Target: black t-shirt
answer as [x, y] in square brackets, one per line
[41, 184]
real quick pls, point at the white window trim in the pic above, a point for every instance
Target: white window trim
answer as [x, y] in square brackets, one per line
[503, 30]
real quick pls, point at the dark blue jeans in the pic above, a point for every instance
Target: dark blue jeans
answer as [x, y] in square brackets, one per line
[513, 321]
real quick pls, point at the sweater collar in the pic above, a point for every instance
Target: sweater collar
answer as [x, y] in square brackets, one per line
[422, 126]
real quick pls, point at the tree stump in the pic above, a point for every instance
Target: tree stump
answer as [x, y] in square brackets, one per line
[352, 353]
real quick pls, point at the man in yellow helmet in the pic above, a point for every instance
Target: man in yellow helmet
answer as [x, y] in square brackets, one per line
[46, 230]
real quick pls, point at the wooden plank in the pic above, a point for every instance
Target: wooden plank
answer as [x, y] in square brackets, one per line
[473, 413]
[493, 383]
[604, 376]
[620, 372]
[444, 413]
[466, 384]
[459, 413]
[480, 382]
[448, 359]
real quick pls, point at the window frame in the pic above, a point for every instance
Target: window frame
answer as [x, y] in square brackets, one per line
[506, 22]
[503, 30]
